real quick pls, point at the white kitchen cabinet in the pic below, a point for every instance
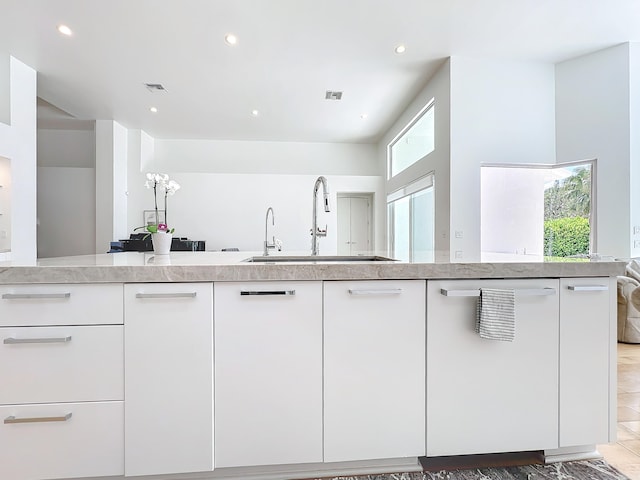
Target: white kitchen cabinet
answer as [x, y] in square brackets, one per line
[374, 369]
[486, 396]
[61, 371]
[61, 440]
[268, 373]
[168, 378]
[587, 351]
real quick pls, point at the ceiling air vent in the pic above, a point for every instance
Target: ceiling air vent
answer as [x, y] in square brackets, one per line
[333, 95]
[155, 87]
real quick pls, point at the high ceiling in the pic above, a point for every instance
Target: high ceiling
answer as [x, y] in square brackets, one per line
[288, 54]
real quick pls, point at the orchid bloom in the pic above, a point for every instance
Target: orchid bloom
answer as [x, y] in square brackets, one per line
[172, 187]
[155, 180]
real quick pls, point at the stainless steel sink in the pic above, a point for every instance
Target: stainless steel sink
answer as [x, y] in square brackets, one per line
[318, 259]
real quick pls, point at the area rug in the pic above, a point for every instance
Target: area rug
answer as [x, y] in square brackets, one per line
[582, 470]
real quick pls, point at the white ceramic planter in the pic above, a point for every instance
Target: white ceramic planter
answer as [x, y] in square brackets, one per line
[161, 243]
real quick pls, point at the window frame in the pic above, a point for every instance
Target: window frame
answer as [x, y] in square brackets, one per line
[593, 162]
[422, 112]
[422, 183]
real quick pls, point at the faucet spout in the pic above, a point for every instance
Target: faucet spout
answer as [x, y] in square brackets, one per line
[268, 245]
[315, 231]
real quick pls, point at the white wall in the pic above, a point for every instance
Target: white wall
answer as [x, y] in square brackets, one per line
[437, 161]
[288, 158]
[66, 148]
[66, 192]
[111, 183]
[5, 205]
[66, 211]
[634, 150]
[120, 183]
[5, 89]
[593, 121]
[228, 186]
[485, 111]
[228, 210]
[18, 144]
[501, 112]
[140, 151]
[512, 205]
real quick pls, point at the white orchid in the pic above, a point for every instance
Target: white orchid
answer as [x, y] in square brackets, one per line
[170, 187]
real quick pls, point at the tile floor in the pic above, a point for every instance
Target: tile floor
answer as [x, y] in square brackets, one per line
[625, 453]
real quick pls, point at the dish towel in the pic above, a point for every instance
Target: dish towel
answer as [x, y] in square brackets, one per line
[496, 316]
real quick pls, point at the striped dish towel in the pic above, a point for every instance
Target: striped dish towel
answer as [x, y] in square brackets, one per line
[496, 317]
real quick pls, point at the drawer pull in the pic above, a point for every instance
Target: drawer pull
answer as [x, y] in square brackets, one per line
[588, 288]
[379, 291]
[16, 341]
[520, 292]
[34, 296]
[13, 419]
[268, 292]
[166, 295]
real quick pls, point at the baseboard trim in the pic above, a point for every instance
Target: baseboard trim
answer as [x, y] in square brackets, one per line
[291, 472]
[570, 454]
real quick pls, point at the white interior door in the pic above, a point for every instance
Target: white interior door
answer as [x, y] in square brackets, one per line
[344, 226]
[354, 224]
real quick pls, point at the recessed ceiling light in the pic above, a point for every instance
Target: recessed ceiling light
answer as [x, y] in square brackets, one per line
[255, 113]
[363, 116]
[153, 110]
[230, 39]
[63, 29]
[400, 49]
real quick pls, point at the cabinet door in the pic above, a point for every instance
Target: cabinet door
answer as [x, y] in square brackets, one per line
[486, 396]
[168, 378]
[374, 369]
[587, 346]
[268, 373]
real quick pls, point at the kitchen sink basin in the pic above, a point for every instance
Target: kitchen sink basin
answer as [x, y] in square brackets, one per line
[318, 259]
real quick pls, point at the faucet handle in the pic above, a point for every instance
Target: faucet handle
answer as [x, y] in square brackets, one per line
[321, 232]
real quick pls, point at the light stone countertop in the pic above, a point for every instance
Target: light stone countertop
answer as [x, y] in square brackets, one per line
[229, 266]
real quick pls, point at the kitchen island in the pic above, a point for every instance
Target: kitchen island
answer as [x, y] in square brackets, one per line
[207, 365]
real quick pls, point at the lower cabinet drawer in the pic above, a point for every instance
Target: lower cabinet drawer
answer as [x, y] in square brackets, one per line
[64, 440]
[61, 364]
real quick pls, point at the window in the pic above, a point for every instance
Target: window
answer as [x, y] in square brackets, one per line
[411, 221]
[414, 142]
[529, 212]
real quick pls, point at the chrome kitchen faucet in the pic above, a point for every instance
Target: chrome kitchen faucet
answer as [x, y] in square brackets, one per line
[268, 245]
[315, 231]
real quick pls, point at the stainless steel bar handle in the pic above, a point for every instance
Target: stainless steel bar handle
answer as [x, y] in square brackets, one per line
[34, 296]
[16, 341]
[267, 292]
[520, 292]
[12, 419]
[166, 295]
[588, 288]
[376, 291]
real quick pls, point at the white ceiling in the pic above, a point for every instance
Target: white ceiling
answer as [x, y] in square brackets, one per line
[289, 53]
